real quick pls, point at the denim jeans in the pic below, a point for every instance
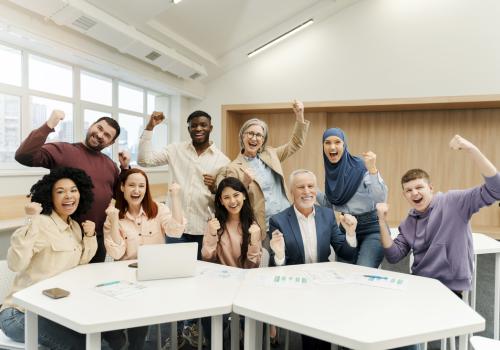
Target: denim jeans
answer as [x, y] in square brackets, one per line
[369, 251]
[50, 334]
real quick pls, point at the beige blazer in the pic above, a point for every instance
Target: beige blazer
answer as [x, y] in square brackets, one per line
[272, 157]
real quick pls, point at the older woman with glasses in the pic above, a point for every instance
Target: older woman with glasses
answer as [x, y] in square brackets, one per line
[258, 166]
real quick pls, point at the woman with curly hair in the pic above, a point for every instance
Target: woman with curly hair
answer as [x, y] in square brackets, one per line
[51, 242]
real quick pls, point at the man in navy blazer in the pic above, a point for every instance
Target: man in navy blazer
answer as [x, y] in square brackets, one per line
[304, 232]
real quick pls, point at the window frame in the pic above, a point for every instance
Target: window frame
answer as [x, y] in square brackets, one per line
[79, 105]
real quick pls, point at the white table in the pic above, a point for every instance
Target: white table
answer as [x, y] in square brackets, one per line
[354, 315]
[486, 245]
[89, 312]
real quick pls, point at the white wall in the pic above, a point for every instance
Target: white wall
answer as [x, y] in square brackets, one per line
[374, 49]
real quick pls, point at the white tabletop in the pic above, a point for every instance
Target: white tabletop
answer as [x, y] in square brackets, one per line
[358, 316]
[485, 244]
[88, 311]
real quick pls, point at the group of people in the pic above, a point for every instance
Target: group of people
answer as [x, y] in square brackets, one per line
[232, 209]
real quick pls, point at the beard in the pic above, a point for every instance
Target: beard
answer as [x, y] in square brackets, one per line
[98, 148]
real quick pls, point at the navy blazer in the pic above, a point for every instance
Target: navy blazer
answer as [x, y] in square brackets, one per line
[327, 234]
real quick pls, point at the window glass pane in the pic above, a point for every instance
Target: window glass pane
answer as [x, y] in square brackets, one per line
[50, 76]
[131, 128]
[89, 117]
[151, 103]
[130, 98]
[10, 66]
[10, 128]
[41, 108]
[95, 88]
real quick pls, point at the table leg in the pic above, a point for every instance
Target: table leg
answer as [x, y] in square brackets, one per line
[474, 282]
[173, 336]
[462, 342]
[496, 315]
[259, 333]
[93, 341]
[217, 332]
[235, 331]
[250, 334]
[31, 330]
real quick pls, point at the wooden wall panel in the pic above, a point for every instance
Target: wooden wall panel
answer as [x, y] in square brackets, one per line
[402, 140]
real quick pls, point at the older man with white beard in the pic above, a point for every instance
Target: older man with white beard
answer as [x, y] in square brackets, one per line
[304, 232]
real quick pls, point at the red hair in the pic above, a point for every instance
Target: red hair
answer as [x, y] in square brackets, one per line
[148, 204]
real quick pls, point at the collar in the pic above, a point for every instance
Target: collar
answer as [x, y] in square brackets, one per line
[189, 145]
[132, 218]
[61, 225]
[302, 216]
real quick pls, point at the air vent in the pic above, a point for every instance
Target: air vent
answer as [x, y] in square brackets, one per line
[84, 23]
[195, 76]
[153, 55]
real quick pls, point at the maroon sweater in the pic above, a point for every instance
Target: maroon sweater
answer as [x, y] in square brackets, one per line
[101, 169]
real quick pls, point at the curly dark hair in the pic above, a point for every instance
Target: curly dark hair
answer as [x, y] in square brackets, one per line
[247, 217]
[41, 192]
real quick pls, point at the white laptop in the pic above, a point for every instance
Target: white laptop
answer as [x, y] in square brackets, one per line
[160, 261]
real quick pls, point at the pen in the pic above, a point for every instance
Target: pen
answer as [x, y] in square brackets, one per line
[107, 283]
[376, 277]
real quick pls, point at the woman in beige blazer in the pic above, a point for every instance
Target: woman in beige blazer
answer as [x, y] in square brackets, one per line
[258, 165]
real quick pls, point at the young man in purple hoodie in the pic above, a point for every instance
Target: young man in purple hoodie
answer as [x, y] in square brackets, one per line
[437, 228]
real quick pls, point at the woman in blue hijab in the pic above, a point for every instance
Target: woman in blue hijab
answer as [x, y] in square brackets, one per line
[353, 186]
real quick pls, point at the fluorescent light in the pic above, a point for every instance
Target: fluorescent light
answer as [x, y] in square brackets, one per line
[176, 1]
[281, 37]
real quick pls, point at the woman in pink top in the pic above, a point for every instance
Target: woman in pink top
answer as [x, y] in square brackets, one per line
[136, 219]
[232, 237]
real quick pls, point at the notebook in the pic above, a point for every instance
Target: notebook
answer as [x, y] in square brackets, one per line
[160, 261]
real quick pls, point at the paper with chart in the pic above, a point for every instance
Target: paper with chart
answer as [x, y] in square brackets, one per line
[287, 280]
[119, 289]
[330, 277]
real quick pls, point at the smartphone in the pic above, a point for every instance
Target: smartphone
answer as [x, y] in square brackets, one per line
[55, 293]
[134, 265]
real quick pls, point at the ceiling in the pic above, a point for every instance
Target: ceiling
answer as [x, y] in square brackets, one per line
[217, 35]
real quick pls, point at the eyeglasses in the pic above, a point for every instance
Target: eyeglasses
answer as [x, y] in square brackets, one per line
[251, 135]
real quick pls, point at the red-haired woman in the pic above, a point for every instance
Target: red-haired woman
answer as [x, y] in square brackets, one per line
[136, 219]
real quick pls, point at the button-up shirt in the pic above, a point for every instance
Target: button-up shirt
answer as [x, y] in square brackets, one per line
[136, 231]
[186, 168]
[44, 248]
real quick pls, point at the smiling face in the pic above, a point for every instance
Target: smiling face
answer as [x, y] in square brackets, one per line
[199, 129]
[418, 193]
[65, 198]
[232, 200]
[99, 136]
[134, 189]
[304, 191]
[333, 147]
[253, 138]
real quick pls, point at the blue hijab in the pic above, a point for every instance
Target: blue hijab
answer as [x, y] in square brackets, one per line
[343, 178]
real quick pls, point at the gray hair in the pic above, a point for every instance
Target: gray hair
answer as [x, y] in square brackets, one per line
[297, 172]
[249, 123]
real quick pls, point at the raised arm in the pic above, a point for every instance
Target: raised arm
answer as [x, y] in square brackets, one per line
[145, 155]
[394, 250]
[299, 133]
[254, 253]
[31, 152]
[483, 164]
[89, 241]
[173, 223]
[378, 188]
[23, 240]
[385, 235]
[113, 240]
[210, 241]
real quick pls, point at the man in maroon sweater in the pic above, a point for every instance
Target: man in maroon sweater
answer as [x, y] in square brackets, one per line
[87, 156]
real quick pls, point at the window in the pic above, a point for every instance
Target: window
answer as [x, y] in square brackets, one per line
[10, 66]
[130, 98]
[26, 103]
[96, 88]
[131, 128]
[10, 128]
[89, 117]
[41, 108]
[49, 76]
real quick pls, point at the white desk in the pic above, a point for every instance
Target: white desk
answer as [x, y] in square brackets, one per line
[353, 315]
[487, 245]
[89, 312]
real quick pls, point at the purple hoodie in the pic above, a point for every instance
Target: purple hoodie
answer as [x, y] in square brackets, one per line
[441, 236]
